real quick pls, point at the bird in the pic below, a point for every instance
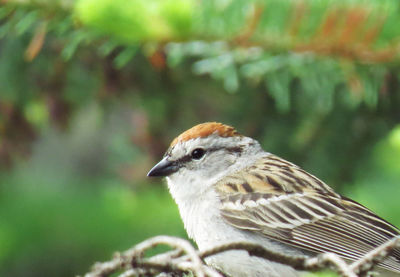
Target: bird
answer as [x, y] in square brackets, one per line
[228, 189]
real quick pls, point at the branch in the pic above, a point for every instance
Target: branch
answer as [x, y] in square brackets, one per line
[132, 260]
[366, 263]
[184, 258]
[345, 30]
[299, 262]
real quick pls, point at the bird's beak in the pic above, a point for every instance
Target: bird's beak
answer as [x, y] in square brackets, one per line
[163, 168]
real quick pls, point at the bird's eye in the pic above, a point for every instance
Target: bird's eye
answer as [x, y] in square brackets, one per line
[198, 153]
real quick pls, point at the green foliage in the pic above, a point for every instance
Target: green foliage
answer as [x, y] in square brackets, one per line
[138, 20]
[280, 24]
[380, 175]
[239, 40]
[48, 229]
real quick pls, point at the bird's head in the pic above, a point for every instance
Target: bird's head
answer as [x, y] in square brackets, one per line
[205, 153]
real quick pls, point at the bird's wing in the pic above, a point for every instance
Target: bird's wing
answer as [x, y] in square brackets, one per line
[281, 201]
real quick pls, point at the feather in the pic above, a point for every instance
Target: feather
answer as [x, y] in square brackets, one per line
[205, 130]
[277, 199]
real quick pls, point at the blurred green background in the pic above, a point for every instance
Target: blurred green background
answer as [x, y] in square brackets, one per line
[92, 92]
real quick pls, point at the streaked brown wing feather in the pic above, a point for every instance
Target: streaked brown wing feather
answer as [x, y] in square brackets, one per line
[306, 215]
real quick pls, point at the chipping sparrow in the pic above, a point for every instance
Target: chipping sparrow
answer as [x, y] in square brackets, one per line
[228, 189]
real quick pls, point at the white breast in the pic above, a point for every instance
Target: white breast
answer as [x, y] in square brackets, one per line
[205, 225]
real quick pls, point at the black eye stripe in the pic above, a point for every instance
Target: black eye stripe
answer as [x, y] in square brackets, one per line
[184, 159]
[236, 149]
[188, 157]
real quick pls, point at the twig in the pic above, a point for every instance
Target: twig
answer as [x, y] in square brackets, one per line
[184, 258]
[369, 260]
[298, 262]
[133, 255]
[329, 260]
[257, 250]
